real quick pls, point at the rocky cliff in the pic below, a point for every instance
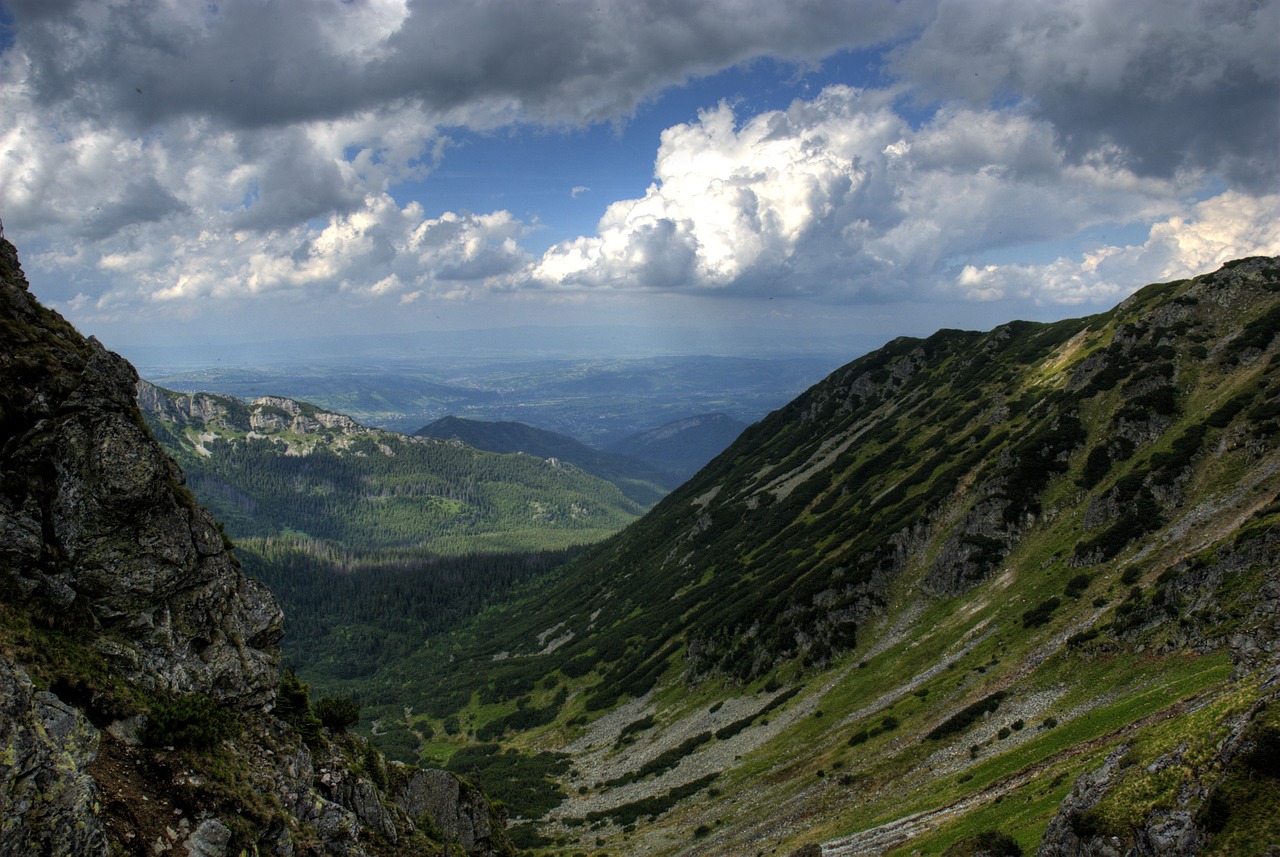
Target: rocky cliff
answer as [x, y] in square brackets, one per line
[139, 682]
[266, 414]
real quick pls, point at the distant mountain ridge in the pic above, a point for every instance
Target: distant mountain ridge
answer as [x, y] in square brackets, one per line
[640, 481]
[683, 446]
[274, 466]
[1019, 583]
[596, 400]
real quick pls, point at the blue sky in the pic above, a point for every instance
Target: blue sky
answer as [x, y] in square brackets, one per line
[759, 175]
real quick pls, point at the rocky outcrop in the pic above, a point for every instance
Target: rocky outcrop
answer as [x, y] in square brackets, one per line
[97, 529]
[460, 810]
[266, 414]
[1198, 810]
[48, 800]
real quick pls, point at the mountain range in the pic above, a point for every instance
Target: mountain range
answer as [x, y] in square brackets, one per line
[642, 481]
[979, 593]
[597, 401]
[275, 466]
[682, 447]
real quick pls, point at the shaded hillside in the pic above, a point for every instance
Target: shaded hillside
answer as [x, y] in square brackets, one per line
[682, 447]
[960, 569]
[141, 711]
[639, 481]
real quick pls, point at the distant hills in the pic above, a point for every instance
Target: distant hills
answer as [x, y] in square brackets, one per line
[645, 465]
[640, 481]
[682, 447]
[597, 401]
[1014, 587]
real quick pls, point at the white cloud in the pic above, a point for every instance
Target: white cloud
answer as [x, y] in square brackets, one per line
[161, 153]
[839, 196]
[378, 252]
[1228, 226]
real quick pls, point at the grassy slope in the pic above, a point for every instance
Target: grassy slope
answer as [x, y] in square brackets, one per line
[373, 489]
[931, 496]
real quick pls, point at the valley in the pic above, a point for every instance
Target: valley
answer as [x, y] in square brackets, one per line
[923, 599]
[714, 428]
[1011, 591]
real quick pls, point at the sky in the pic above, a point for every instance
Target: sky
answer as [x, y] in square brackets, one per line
[754, 174]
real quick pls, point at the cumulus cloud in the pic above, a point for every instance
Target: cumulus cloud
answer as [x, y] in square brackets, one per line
[380, 249]
[839, 196]
[1217, 230]
[244, 127]
[168, 152]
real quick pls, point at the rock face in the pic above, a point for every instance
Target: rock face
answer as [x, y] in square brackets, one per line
[96, 527]
[466, 815]
[266, 413]
[1248, 753]
[126, 627]
[47, 747]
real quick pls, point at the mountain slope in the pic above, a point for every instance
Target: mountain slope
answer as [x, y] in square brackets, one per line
[141, 710]
[639, 481]
[274, 466]
[924, 597]
[682, 447]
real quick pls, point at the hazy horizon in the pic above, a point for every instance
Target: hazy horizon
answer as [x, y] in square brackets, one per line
[725, 177]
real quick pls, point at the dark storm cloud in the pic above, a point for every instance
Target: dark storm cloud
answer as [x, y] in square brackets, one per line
[1172, 84]
[254, 64]
[141, 201]
[1175, 85]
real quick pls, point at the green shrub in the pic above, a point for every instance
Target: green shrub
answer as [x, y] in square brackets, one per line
[991, 843]
[1079, 639]
[961, 720]
[1041, 613]
[1076, 586]
[193, 721]
[338, 713]
[629, 813]
[293, 705]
